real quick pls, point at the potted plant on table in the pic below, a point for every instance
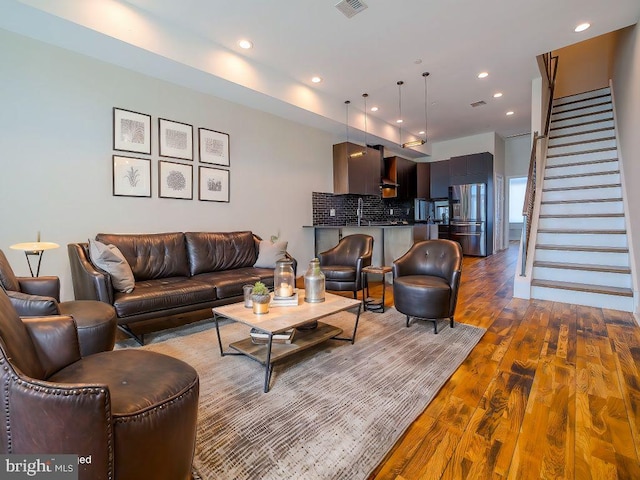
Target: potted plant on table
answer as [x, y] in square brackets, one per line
[260, 298]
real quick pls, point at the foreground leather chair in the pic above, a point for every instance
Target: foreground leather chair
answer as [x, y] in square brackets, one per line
[426, 281]
[40, 296]
[342, 265]
[132, 412]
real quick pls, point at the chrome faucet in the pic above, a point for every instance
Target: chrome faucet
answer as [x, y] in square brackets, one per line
[359, 211]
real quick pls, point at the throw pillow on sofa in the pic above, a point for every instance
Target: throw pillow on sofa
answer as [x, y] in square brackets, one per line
[269, 253]
[110, 259]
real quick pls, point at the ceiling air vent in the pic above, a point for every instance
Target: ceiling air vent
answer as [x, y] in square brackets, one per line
[478, 104]
[350, 7]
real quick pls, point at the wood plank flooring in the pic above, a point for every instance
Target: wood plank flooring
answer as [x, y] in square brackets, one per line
[551, 391]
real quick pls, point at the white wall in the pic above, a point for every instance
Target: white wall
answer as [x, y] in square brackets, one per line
[626, 79]
[56, 144]
[484, 142]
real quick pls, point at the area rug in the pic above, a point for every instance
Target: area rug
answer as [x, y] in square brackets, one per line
[333, 411]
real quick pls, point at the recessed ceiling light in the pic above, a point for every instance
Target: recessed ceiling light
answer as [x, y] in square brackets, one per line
[483, 75]
[316, 79]
[497, 95]
[246, 44]
[582, 27]
[374, 109]
[421, 132]
[509, 112]
[399, 120]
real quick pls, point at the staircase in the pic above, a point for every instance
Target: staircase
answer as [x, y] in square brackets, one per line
[581, 253]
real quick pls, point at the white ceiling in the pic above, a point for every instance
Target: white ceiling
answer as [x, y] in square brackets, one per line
[194, 43]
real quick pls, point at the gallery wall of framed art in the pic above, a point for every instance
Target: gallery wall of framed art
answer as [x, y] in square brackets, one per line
[132, 176]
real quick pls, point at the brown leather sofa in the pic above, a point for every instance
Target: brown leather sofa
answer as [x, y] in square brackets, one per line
[426, 281]
[132, 413]
[175, 273]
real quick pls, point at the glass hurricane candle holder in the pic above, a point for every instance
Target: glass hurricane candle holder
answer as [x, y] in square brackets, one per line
[284, 279]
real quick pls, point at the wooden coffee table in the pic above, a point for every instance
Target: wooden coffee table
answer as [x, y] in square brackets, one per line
[280, 319]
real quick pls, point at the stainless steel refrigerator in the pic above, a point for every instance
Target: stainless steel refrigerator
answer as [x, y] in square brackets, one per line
[468, 217]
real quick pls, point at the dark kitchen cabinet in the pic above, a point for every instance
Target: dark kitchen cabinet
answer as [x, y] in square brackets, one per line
[358, 174]
[474, 168]
[402, 173]
[423, 180]
[439, 179]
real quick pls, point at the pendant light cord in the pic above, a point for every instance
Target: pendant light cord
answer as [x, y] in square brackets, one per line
[425, 75]
[365, 95]
[347, 102]
[400, 83]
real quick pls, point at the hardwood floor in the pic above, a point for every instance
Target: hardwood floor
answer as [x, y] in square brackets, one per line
[551, 391]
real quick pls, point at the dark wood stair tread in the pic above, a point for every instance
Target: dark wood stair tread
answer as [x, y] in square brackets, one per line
[581, 231]
[586, 162]
[582, 152]
[581, 124]
[583, 215]
[591, 140]
[582, 248]
[584, 132]
[591, 200]
[583, 287]
[581, 187]
[582, 266]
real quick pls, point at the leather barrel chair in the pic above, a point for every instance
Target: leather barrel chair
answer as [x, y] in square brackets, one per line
[132, 412]
[40, 296]
[342, 265]
[426, 281]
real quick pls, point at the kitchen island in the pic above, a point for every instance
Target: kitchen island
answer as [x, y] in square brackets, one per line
[390, 240]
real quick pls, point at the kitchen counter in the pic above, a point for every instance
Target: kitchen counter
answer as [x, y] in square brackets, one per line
[390, 240]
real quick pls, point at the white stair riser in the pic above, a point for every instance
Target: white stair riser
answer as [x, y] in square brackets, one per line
[583, 112]
[582, 96]
[572, 182]
[586, 258]
[606, 155]
[580, 128]
[585, 137]
[583, 194]
[603, 279]
[613, 302]
[580, 104]
[582, 147]
[587, 207]
[572, 121]
[583, 239]
[559, 171]
[604, 223]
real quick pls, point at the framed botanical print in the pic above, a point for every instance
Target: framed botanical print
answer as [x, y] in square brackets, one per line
[131, 177]
[213, 185]
[176, 139]
[175, 180]
[214, 147]
[131, 131]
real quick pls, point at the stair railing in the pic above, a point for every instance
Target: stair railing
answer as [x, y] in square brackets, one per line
[551, 69]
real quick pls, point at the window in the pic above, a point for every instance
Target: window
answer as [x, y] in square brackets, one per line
[517, 187]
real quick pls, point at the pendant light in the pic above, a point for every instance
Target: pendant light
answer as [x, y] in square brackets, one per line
[417, 143]
[363, 152]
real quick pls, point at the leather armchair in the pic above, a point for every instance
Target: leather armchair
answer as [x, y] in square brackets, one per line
[40, 296]
[426, 281]
[342, 265]
[133, 412]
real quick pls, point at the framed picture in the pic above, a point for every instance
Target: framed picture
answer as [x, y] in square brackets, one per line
[131, 177]
[175, 180]
[214, 147]
[213, 184]
[176, 139]
[131, 131]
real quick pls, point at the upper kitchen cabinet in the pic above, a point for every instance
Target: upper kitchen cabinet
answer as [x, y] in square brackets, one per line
[399, 179]
[474, 168]
[423, 180]
[439, 179]
[353, 173]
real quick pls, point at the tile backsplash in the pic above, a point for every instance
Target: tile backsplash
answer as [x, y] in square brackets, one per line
[376, 209]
